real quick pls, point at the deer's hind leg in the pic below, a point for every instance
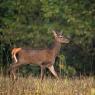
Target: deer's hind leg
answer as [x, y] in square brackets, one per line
[13, 70]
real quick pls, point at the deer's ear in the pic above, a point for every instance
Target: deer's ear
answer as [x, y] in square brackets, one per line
[54, 33]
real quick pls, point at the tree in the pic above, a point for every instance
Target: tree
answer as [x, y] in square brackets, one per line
[29, 22]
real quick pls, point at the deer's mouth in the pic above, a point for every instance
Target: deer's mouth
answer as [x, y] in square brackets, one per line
[65, 41]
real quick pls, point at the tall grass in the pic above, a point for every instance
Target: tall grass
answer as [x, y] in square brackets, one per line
[49, 86]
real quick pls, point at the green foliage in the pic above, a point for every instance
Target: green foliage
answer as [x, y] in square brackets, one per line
[28, 23]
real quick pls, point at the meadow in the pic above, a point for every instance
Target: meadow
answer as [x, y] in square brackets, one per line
[49, 86]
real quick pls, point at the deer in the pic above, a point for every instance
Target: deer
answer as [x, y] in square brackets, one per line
[45, 58]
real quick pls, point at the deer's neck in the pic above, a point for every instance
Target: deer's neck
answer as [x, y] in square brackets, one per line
[56, 48]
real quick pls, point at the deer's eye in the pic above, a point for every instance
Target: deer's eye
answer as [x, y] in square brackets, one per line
[61, 37]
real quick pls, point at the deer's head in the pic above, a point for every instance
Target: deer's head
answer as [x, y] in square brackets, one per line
[60, 38]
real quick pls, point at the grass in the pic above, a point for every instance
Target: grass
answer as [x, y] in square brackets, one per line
[33, 86]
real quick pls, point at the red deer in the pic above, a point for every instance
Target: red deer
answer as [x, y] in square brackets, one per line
[45, 58]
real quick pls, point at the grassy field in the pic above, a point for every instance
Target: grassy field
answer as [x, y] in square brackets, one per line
[33, 86]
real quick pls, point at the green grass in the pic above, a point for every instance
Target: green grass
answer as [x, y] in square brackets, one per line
[33, 86]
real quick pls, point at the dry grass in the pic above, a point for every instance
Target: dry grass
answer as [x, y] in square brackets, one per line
[33, 86]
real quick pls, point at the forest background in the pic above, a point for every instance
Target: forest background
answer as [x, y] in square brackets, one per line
[28, 23]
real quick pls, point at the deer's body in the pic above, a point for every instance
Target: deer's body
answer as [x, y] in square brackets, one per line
[45, 58]
[40, 57]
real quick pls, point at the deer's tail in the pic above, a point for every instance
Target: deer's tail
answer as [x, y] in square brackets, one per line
[14, 53]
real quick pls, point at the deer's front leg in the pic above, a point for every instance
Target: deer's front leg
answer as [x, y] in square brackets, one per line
[51, 68]
[42, 72]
